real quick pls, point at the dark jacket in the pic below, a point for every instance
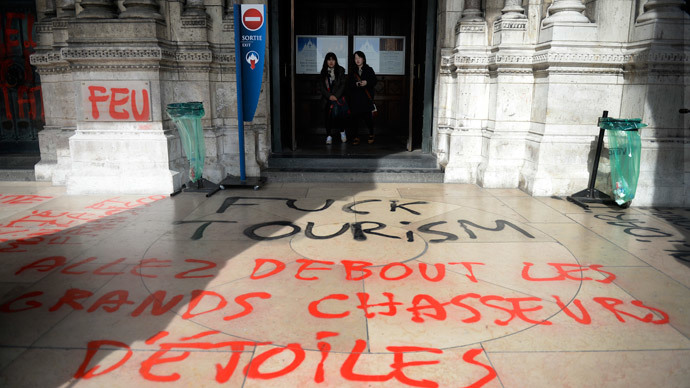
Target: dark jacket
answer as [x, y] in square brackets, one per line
[357, 96]
[337, 88]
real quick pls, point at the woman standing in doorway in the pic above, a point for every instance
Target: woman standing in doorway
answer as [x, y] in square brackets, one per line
[332, 88]
[361, 82]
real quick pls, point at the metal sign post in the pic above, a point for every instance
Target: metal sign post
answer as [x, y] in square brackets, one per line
[250, 50]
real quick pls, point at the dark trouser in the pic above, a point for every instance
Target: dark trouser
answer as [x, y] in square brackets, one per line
[355, 120]
[331, 121]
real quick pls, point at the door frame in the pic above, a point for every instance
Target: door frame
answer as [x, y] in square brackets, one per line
[279, 76]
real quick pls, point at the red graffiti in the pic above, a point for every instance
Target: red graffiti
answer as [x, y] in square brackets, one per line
[564, 274]
[182, 349]
[425, 307]
[21, 199]
[117, 100]
[114, 205]
[27, 230]
[146, 268]
[357, 270]
[20, 93]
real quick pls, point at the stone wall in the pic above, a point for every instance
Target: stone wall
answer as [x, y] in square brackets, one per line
[520, 85]
[183, 51]
[521, 88]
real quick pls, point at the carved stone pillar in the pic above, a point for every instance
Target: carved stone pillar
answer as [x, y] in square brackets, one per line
[65, 9]
[513, 10]
[97, 9]
[229, 9]
[141, 9]
[472, 11]
[49, 12]
[194, 8]
[663, 9]
[569, 11]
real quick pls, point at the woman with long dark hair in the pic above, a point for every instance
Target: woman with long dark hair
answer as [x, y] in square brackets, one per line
[332, 88]
[361, 82]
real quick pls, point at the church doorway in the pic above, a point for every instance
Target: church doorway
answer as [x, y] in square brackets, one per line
[398, 38]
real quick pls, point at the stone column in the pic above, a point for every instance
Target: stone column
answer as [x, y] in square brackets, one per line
[141, 9]
[570, 11]
[97, 9]
[49, 12]
[65, 9]
[472, 11]
[655, 89]
[513, 10]
[194, 8]
[662, 9]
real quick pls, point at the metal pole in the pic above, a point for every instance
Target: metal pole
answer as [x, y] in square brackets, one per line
[240, 104]
[595, 167]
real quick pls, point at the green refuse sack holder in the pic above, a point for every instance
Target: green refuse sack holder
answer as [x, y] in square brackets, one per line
[625, 148]
[187, 118]
[624, 155]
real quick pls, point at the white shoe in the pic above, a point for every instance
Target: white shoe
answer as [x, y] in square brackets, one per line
[329, 140]
[343, 137]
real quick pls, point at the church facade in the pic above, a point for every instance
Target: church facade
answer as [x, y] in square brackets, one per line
[515, 89]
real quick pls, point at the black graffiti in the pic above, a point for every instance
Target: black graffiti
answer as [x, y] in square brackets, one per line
[360, 230]
[632, 226]
[289, 202]
[199, 232]
[673, 218]
[500, 225]
[679, 254]
[394, 206]
[427, 229]
[379, 226]
[251, 231]
[349, 207]
[310, 234]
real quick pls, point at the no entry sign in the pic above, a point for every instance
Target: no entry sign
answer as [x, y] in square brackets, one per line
[250, 53]
[252, 19]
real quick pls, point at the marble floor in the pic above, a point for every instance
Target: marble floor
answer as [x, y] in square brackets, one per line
[340, 285]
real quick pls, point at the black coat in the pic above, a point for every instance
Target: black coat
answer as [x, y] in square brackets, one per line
[337, 88]
[357, 96]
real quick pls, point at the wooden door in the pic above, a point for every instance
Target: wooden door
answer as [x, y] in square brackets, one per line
[21, 103]
[350, 18]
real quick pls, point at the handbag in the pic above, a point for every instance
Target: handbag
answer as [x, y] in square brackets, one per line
[339, 109]
[374, 111]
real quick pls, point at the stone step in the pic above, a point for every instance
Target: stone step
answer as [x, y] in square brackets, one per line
[17, 175]
[369, 162]
[382, 175]
[18, 167]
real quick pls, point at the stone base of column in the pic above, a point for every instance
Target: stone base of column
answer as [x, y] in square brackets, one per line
[56, 162]
[509, 31]
[121, 158]
[502, 168]
[584, 32]
[465, 155]
[470, 34]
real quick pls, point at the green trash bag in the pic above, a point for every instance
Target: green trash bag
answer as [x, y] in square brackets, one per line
[624, 154]
[187, 118]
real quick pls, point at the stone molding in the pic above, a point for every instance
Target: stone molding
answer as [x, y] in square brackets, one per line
[571, 63]
[60, 24]
[470, 27]
[228, 25]
[196, 21]
[113, 53]
[224, 58]
[44, 27]
[510, 25]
